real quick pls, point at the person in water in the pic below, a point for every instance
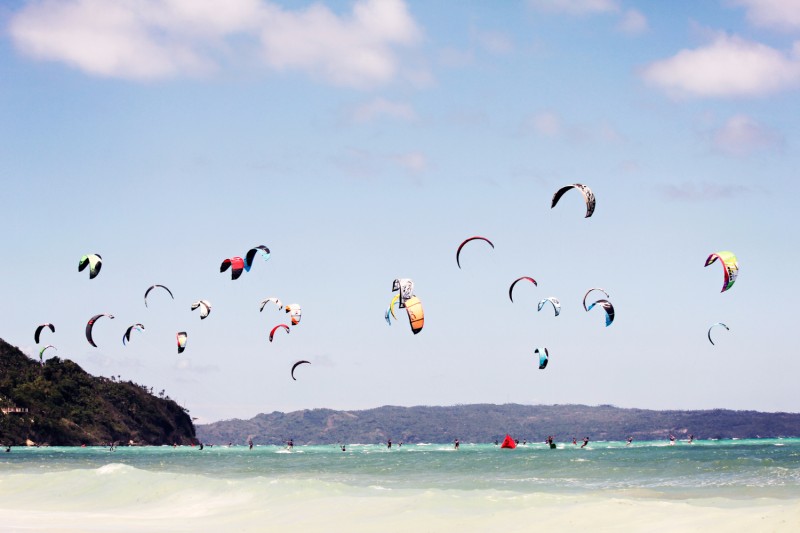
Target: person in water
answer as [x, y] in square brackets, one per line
[201, 445]
[344, 448]
[8, 449]
[290, 444]
[691, 439]
[250, 443]
[628, 442]
[574, 441]
[585, 442]
[672, 440]
[389, 443]
[457, 444]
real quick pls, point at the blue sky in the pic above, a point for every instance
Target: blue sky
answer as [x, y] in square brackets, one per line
[362, 142]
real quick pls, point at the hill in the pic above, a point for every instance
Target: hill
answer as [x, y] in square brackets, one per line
[59, 404]
[486, 422]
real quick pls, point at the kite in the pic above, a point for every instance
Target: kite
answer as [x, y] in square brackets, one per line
[41, 352]
[590, 290]
[181, 337]
[406, 288]
[553, 300]
[416, 315]
[295, 311]
[608, 308]
[236, 264]
[127, 336]
[390, 309]
[39, 331]
[153, 287]
[272, 333]
[273, 300]
[544, 357]
[251, 254]
[511, 288]
[296, 365]
[205, 308]
[588, 196]
[730, 267]
[93, 261]
[90, 325]
[458, 252]
[712, 327]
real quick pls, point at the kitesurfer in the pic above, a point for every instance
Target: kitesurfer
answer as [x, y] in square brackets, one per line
[585, 442]
[574, 441]
[630, 439]
[8, 449]
[250, 443]
[550, 442]
[344, 448]
[201, 445]
[389, 443]
[672, 440]
[290, 444]
[691, 439]
[457, 444]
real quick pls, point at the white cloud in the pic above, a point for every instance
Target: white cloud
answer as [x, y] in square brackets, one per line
[729, 66]
[633, 22]
[701, 192]
[152, 39]
[550, 124]
[575, 7]
[776, 14]
[380, 107]
[414, 161]
[494, 41]
[741, 135]
[547, 124]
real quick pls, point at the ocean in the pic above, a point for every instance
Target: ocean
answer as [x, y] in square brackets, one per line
[725, 485]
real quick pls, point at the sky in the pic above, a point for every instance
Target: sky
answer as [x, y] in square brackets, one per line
[364, 141]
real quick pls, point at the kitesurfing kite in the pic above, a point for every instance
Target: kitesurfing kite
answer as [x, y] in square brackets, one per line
[544, 357]
[390, 309]
[460, 246]
[205, 308]
[416, 315]
[712, 327]
[41, 352]
[553, 300]
[127, 336]
[153, 287]
[295, 311]
[298, 363]
[587, 294]
[730, 266]
[90, 325]
[251, 254]
[236, 264]
[608, 308]
[406, 288]
[181, 337]
[511, 288]
[40, 328]
[93, 261]
[588, 196]
[277, 302]
[272, 333]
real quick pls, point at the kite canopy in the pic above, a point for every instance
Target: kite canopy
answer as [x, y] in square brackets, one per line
[251, 254]
[236, 264]
[273, 300]
[298, 363]
[508, 442]
[40, 328]
[406, 288]
[295, 312]
[460, 246]
[416, 315]
[712, 327]
[41, 352]
[90, 326]
[590, 290]
[553, 300]
[730, 266]
[511, 288]
[544, 357]
[588, 196]
[93, 261]
[181, 337]
[608, 308]
[153, 287]
[272, 333]
[390, 309]
[205, 308]
[127, 335]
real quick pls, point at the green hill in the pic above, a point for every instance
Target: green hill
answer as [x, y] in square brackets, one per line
[486, 422]
[59, 404]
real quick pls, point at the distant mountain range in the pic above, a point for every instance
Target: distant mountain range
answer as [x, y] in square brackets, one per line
[487, 423]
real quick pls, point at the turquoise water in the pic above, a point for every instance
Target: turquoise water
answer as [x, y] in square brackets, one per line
[220, 485]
